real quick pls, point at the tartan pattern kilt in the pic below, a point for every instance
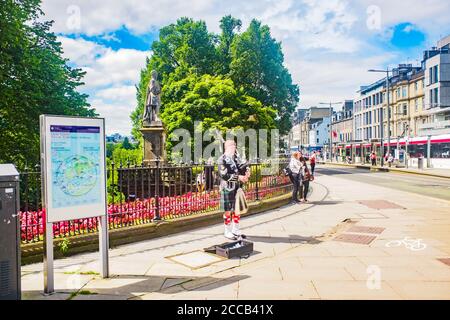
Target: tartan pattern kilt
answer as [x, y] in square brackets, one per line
[227, 200]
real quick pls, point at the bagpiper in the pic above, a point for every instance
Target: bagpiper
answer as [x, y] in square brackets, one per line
[233, 173]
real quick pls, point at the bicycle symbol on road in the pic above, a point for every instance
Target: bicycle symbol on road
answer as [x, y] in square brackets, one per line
[411, 244]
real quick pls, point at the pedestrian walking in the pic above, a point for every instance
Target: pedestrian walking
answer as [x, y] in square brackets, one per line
[312, 162]
[373, 158]
[306, 177]
[390, 160]
[295, 166]
[233, 173]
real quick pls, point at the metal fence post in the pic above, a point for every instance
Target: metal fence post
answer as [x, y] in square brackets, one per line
[111, 187]
[157, 176]
[257, 180]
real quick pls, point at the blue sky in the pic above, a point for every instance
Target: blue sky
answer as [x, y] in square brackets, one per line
[328, 45]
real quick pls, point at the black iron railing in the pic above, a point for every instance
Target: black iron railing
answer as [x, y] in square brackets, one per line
[140, 194]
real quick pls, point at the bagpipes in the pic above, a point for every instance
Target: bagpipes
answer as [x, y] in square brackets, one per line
[243, 167]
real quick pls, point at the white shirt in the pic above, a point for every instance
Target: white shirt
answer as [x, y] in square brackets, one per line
[295, 165]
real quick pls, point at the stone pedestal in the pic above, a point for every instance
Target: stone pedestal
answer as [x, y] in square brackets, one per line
[154, 141]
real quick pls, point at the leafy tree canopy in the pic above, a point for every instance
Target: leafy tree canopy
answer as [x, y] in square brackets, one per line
[230, 80]
[34, 79]
[215, 101]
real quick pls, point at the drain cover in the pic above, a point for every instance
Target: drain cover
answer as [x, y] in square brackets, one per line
[380, 204]
[196, 259]
[445, 261]
[361, 229]
[355, 238]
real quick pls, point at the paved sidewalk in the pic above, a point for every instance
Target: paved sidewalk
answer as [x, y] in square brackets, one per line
[296, 256]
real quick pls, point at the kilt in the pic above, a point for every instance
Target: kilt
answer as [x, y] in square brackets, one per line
[227, 200]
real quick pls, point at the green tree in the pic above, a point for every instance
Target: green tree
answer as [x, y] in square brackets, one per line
[229, 26]
[229, 80]
[257, 66]
[34, 79]
[216, 102]
[182, 48]
[126, 144]
[110, 146]
[123, 156]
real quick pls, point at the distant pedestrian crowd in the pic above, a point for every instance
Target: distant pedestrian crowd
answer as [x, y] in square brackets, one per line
[300, 175]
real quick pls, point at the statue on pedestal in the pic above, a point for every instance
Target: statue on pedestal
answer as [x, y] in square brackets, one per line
[152, 128]
[153, 102]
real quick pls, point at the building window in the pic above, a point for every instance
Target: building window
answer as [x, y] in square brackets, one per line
[417, 105]
[434, 74]
[436, 96]
[403, 92]
[405, 109]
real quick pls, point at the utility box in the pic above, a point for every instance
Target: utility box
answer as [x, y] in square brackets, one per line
[10, 288]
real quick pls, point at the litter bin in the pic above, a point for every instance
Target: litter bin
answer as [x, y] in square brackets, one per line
[9, 233]
[420, 163]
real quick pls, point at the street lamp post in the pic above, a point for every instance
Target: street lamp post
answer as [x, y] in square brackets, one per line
[331, 127]
[382, 117]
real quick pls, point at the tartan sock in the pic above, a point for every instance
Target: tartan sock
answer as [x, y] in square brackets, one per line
[236, 219]
[227, 218]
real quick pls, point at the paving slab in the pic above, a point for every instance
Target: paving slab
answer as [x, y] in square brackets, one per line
[422, 290]
[354, 290]
[295, 256]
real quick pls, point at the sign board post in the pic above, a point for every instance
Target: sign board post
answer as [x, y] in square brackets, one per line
[73, 169]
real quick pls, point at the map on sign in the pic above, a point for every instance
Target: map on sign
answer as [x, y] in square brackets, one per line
[75, 165]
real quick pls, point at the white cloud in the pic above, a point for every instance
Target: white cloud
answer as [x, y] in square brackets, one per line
[328, 46]
[116, 114]
[339, 80]
[115, 67]
[122, 94]
[80, 51]
[110, 79]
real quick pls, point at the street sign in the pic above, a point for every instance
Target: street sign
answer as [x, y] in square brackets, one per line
[73, 170]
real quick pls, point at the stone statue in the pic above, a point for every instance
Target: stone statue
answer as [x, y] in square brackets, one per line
[153, 102]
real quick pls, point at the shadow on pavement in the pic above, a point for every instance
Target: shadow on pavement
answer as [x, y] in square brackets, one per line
[147, 285]
[289, 239]
[325, 203]
[331, 172]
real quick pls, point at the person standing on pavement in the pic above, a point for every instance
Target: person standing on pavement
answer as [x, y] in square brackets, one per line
[231, 181]
[295, 166]
[306, 177]
[373, 158]
[390, 160]
[312, 162]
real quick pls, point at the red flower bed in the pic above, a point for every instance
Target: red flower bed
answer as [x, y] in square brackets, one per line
[129, 213]
[142, 210]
